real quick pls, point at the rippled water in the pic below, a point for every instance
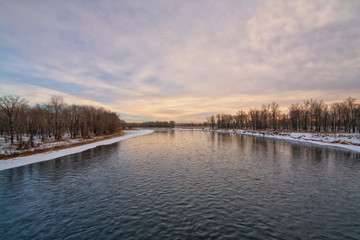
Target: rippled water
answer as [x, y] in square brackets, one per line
[186, 185]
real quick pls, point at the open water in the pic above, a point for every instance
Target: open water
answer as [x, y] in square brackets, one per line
[186, 185]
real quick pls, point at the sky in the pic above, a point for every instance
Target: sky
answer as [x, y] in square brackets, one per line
[180, 60]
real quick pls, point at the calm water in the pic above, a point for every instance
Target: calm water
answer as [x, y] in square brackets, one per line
[186, 185]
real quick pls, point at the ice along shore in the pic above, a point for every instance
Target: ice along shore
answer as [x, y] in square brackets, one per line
[21, 161]
[350, 141]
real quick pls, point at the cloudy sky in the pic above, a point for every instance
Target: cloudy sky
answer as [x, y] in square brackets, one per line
[180, 60]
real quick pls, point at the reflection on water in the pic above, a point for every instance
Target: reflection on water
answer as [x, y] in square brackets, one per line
[186, 185]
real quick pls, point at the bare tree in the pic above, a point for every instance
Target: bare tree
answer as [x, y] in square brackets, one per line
[264, 115]
[226, 120]
[325, 117]
[309, 116]
[218, 117]
[211, 121]
[241, 119]
[3, 123]
[11, 107]
[317, 112]
[74, 120]
[275, 112]
[336, 114]
[351, 105]
[56, 106]
[305, 114]
[294, 112]
[255, 118]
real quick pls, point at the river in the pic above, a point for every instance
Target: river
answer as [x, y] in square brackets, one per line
[186, 185]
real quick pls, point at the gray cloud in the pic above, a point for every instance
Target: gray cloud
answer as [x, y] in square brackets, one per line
[169, 59]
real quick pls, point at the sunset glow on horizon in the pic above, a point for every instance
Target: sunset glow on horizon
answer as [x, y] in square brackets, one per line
[180, 60]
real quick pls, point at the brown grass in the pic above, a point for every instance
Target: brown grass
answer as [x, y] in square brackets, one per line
[345, 142]
[56, 148]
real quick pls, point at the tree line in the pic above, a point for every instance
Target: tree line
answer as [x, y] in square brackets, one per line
[153, 124]
[311, 115]
[53, 119]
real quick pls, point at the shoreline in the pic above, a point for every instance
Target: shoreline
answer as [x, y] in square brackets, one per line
[288, 136]
[315, 138]
[46, 156]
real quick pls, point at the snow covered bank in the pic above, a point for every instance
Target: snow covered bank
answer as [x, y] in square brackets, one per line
[349, 141]
[187, 129]
[21, 161]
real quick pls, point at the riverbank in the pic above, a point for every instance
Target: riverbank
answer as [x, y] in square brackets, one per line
[25, 160]
[22, 148]
[350, 141]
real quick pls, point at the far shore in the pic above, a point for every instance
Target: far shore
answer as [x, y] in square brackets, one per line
[50, 154]
[350, 141]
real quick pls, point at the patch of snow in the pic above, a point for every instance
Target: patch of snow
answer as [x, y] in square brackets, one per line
[349, 141]
[188, 129]
[21, 161]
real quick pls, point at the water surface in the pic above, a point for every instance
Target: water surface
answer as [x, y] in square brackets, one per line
[186, 185]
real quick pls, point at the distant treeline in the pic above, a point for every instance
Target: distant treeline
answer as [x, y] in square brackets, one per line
[157, 124]
[54, 119]
[311, 115]
[189, 124]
